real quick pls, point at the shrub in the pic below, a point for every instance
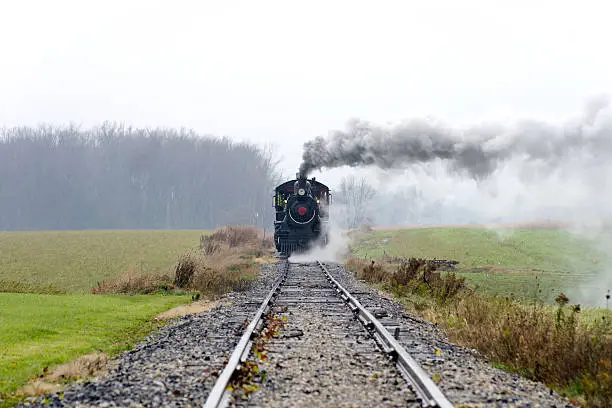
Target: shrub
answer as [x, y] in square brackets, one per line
[227, 261]
[373, 273]
[546, 344]
[232, 235]
[135, 283]
[412, 275]
[552, 346]
[407, 271]
[185, 269]
[209, 246]
[449, 286]
[598, 391]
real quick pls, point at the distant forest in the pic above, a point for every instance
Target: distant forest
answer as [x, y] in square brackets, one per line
[116, 176]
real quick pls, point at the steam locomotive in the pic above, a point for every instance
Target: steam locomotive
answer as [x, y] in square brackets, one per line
[301, 215]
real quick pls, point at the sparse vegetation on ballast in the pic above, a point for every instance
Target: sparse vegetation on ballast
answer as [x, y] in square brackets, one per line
[551, 344]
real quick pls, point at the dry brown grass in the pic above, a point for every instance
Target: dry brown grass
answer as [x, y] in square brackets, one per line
[180, 311]
[135, 283]
[37, 388]
[551, 346]
[233, 236]
[85, 366]
[368, 271]
[228, 259]
[409, 275]
[546, 344]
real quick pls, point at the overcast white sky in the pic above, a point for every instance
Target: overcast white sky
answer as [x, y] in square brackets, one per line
[286, 71]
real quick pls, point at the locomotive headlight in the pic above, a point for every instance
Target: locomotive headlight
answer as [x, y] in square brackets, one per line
[301, 191]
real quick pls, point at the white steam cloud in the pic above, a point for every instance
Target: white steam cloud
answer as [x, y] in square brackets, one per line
[337, 248]
[432, 174]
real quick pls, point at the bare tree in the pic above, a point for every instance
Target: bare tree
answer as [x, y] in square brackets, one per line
[355, 195]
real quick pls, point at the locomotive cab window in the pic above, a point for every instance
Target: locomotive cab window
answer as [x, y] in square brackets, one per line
[325, 197]
[279, 199]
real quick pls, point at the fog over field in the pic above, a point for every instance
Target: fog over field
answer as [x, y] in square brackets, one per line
[528, 171]
[493, 172]
[456, 113]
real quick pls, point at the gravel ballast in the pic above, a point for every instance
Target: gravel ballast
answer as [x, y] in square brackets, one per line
[320, 357]
[176, 367]
[466, 378]
[323, 356]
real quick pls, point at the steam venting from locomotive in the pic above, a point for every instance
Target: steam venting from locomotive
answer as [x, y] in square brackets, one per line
[474, 152]
[563, 168]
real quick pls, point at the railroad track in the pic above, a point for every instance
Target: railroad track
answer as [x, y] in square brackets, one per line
[330, 351]
[323, 355]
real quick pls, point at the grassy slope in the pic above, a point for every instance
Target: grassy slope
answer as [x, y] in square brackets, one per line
[505, 262]
[44, 330]
[41, 330]
[73, 261]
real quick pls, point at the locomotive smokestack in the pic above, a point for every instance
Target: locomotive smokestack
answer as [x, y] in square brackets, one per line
[300, 181]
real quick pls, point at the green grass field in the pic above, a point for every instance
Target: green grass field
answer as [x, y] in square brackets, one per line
[74, 261]
[517, 262]
[57, 320]
[41, 331]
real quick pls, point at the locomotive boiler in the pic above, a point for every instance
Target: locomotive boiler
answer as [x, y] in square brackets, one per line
[302, 215]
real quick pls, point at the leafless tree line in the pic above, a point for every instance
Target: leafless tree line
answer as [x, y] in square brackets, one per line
[116, 176]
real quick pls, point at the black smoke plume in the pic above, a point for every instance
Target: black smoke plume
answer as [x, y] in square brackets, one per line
[476, 151]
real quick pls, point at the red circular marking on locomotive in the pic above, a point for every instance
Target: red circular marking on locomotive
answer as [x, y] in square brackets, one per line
[301, 210]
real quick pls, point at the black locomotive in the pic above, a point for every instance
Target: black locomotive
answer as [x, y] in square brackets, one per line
[301, 215]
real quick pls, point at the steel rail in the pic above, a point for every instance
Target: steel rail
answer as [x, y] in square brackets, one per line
[426, 389]
[219, 396]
